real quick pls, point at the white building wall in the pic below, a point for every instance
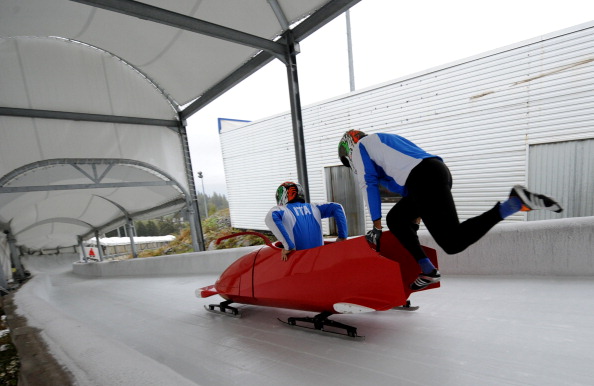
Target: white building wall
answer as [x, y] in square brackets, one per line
[479, 114]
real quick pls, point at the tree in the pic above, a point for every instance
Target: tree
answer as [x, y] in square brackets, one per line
[140, 228]
[166, 228]
[151, 228]
[219, 201]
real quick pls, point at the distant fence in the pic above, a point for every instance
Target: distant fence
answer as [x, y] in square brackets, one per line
[118, 246]
[126, 249]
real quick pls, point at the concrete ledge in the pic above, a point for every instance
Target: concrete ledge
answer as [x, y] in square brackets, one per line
[207, 262]
[563, 247]
[549, 248]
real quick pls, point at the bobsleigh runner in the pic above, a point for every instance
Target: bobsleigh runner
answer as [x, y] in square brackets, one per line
[347, 277]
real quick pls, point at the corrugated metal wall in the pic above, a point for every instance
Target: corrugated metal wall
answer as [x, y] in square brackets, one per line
[564, 170]
[480, 114]
[343, 188]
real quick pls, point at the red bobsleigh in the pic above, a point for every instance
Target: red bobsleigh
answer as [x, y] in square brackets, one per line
[337, 278]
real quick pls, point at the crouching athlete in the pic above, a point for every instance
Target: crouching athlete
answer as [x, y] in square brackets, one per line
[425, 183]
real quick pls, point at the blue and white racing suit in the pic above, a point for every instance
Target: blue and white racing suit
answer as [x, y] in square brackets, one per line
[298, 225]
[425, 183]
[385, 159]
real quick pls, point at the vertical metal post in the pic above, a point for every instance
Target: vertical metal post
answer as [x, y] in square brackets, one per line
[204, 194]
[4, 277]
[82, 249]
[3, 281]
[350, 51]
[197, 241]
[99, 247]
[192, 200]
[296, 116]
[19, 273]
[131, 233]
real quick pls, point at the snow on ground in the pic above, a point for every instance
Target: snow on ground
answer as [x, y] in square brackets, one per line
[486, 330]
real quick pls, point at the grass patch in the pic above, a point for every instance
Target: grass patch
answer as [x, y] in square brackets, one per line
[213, 227]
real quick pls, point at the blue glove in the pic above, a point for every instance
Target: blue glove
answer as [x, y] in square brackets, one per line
[373, 236]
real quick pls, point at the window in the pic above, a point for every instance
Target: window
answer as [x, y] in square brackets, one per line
[563, 170]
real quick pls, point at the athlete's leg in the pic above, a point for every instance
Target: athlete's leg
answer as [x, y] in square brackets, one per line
[429, 186]
[401, 220]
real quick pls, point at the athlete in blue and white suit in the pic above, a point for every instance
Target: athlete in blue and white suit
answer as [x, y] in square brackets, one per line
[297, 224]
[425, 183]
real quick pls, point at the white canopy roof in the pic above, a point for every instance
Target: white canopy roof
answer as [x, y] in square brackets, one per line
[91, 125]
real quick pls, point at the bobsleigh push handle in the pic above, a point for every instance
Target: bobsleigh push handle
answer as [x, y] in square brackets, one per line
[266, 239]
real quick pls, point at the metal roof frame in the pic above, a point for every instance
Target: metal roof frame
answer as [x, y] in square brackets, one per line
[284, 47]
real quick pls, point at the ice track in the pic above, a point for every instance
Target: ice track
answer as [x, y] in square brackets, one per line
[473, 330]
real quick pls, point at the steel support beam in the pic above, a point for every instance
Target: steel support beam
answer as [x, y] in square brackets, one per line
[99, 248]
[300, 32]
[192, 201]
[3, 282]
[350, 51]
[82, 249]
[131, 233]
[47, 188]
[50, 114]
[253, 65]
[4, 277]
[321, 17]
[280, 14]
[177, 20]
[19, 273]
[290, 40]
[296, 117]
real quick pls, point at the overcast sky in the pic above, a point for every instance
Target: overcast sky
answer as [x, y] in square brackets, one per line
[391, 39]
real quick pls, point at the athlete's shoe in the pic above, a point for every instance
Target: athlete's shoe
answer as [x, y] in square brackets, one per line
[531, 201]
[425, 279]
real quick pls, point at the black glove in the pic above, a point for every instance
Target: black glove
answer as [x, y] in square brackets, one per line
[373, 236]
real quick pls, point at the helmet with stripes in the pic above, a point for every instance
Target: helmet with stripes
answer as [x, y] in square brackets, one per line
[347, 144]
[289, 192]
